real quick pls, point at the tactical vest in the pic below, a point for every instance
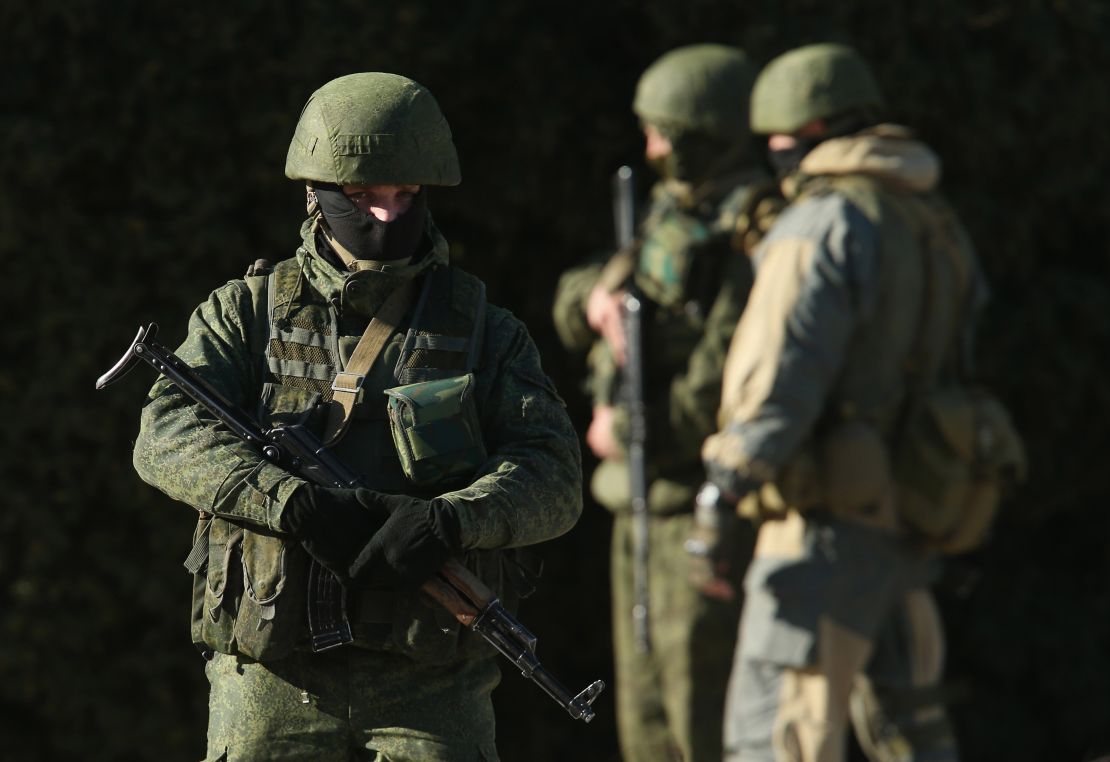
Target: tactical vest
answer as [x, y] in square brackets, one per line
[685, 258]
[682, 262]
[252, 599]
[668, 269]
[926, 271]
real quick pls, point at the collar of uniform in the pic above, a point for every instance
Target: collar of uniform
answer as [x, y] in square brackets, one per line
[887, 152]
[718, 192]
[330, 281]
[706, 196]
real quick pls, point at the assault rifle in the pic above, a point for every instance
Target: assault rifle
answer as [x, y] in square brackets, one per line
[301, 452]
[625, 221]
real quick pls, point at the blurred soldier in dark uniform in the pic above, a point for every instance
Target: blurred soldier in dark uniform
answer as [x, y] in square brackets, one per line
[689, 269]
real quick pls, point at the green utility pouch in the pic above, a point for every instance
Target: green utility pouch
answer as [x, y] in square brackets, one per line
[957, 453]
[261, 631]
[235, 595]
[217, 588]
[436, 430]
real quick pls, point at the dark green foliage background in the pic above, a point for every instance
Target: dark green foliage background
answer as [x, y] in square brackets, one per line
[142, 152]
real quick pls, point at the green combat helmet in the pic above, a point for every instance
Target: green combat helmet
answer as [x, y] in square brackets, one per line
[813, 82]
[373, 129]
[701, 88]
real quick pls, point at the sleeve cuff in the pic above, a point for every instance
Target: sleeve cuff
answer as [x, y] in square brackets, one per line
[266, 491]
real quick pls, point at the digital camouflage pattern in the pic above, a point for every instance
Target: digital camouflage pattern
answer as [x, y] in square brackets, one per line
[373, 128]
[694, 283]
[527, 489]
[696, 286]
[814, 384]
[349, 704]
[524, 493]
[669, 702]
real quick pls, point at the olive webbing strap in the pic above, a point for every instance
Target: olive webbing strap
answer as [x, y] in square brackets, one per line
[347, 385]
[917, 383]
[197, 560]
[926, 233]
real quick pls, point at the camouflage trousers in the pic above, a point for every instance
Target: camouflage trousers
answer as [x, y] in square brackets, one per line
[839, 626]
[350, 704]
[670, 701]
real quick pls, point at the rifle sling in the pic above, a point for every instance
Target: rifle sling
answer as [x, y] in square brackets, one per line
[347, 385]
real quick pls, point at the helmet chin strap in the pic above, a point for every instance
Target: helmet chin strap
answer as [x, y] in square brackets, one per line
[362, 236]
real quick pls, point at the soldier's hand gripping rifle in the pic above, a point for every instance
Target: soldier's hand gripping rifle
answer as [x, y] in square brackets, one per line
[301, 452]
[625, 222]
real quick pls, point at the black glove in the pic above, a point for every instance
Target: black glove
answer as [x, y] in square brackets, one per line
[333, 524]
[412, 545]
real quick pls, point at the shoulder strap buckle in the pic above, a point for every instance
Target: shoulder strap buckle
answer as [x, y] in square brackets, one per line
[349, 383]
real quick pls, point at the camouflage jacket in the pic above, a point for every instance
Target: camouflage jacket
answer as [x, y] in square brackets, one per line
[527, 490]
[694, 279]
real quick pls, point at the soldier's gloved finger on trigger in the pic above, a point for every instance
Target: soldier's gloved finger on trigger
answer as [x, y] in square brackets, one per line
[412, 545]
[332, 524]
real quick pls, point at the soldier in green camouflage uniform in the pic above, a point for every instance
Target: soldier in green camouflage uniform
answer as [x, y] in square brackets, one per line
[493, 464]
[692, 275]
[864, 293]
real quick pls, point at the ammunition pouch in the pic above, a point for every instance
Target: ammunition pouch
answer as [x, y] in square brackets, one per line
[958, 452]
[939, 481]
[240, 576]
[845, 471]
[436, 430]
[235, 594]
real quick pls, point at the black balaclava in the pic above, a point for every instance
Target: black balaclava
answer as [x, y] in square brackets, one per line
[364, 235]
[786, 162]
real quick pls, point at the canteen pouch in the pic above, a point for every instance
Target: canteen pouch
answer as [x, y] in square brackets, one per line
[435, 430]
[958, 451]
